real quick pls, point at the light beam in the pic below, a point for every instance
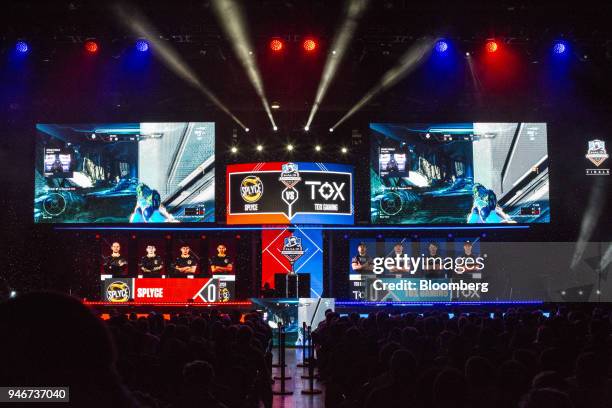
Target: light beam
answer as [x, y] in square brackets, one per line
[339, 46]
[407, 63]
[137, 23]
[231, 17]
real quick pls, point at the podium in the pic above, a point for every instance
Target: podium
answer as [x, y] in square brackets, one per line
[292, 285]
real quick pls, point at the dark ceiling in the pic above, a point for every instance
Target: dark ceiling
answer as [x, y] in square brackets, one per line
[57, 30]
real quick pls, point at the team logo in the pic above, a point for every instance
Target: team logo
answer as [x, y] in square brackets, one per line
[224, 294]
[189, 262]
[596, 152]
[292, 248]
[118, 292]
[251, 189]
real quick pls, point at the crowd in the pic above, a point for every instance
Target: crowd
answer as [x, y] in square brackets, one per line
[518, 358]
[209, 360]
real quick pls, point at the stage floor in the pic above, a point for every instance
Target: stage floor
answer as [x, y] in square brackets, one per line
[293, 356]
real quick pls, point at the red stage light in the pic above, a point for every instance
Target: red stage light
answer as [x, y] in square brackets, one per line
[276, 45]
[309, 45]
[491, 46]
[91, 46]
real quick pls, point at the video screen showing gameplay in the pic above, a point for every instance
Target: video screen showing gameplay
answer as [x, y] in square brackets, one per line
[125, 173]
[459, 173]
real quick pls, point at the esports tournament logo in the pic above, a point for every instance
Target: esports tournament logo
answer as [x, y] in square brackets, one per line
[251, 189]
[289, 177]
[597, 154]
[118, 292]
[292, 249]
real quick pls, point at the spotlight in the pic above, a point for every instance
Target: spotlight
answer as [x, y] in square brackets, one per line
[142, 45]
[559, 48]
[467, 54]
[344, 150]
[275, 128]
[309, 45]
[318, 148]
[491, 46]
[275, 105]
[259, 148]
[22, 47]
[234, 149]
[331, 129]
[441, 47]
[246, 129]
[290, 147]
[427, 135]
[306, 128]
[91, 46]
[13, 294]
[276, 45]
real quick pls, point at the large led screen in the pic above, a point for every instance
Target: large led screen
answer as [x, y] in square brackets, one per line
[125, 173]
[290, 193]
[459, 173]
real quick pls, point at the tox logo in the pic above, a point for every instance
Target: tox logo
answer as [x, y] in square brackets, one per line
[326, 190]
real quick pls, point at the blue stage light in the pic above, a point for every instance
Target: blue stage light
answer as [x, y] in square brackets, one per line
[559, 48]
[22, 47]
[441, 46]
[142, 45]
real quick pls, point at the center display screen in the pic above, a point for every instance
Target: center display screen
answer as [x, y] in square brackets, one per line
[287, 192]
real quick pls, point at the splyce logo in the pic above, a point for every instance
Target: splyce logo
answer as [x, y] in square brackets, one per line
[251, 189]
[118, 292]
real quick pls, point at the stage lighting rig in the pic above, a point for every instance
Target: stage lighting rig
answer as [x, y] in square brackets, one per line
[22, 47]
[441, 46]
[309, 45]
[559, 48]
[492, 46]
[142, 45]
[91, 46]
[277, 45]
